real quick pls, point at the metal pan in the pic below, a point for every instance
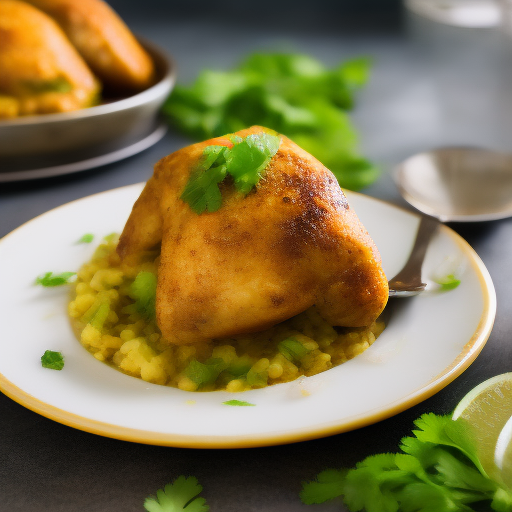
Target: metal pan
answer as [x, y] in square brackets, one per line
[53, 144]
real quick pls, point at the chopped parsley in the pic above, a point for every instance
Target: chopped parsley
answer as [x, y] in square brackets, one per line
[245, 161]
[293, 94]
[248, 158]
[50, 279]
[86, 239]
[240, 403]
[52, 360]
[438, 470]
[448, 282]
[202, 191]
[180, 496]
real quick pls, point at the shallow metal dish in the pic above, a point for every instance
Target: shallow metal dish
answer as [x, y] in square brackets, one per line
[53, 144]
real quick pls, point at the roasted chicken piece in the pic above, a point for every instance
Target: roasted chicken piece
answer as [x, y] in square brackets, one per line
[104, 41]
[290, 243]
[40, 71]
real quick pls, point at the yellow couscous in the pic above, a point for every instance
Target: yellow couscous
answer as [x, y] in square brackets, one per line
[110, 321]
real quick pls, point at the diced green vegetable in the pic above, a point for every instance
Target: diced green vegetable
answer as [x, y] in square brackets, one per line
[290, 93]
[86, 239]
[240, 403]
[448, 282]
[180, 496]
[52, 360]
[50, 279]
[143, 291]
[205, 373]
[97, 314]
[99, 317]
[257, 379]
[239, 367]
[292, 349]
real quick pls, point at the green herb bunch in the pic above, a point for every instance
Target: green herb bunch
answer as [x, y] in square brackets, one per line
[290, 93]
[437, 471]
[245, 161]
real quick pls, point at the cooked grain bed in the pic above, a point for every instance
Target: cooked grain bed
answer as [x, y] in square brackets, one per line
[134, 345]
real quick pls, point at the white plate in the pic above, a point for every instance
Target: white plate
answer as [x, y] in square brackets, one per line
[429, 341]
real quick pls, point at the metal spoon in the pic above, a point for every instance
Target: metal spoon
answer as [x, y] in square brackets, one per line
[460, 184]
[408, 281]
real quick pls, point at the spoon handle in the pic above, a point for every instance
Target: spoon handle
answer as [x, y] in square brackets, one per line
[408, 281]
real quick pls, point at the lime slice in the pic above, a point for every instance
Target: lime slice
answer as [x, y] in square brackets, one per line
[503, 453]
[485, 410]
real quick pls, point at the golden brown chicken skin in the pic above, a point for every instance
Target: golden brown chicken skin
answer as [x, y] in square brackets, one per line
[40, 71]
[291, 243]
[104, 41]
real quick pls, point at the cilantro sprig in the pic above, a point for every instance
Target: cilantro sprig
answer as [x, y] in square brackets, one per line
[180, 496]
[293, 94]
[245, 161]
[437, 471]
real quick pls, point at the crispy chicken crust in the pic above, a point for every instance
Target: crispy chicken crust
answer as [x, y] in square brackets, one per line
[291, 243]
[35, 57]
[104, 41]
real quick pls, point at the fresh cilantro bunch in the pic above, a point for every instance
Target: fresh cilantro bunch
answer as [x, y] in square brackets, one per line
[180, 496]
[437, 471]
[245, 160]
[291, 93]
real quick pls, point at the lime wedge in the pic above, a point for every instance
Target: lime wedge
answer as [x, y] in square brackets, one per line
[503, 453]
[484, 411]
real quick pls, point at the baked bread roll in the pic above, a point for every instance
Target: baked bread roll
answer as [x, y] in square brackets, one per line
[40, 70]
[104, 41]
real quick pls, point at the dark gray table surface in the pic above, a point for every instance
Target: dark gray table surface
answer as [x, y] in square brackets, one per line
[431, 86]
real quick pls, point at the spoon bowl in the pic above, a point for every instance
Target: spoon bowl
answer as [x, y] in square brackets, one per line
[459, 184]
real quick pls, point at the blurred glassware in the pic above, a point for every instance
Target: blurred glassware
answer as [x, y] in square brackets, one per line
[506, 16]
[458, 184]
[460, 13]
